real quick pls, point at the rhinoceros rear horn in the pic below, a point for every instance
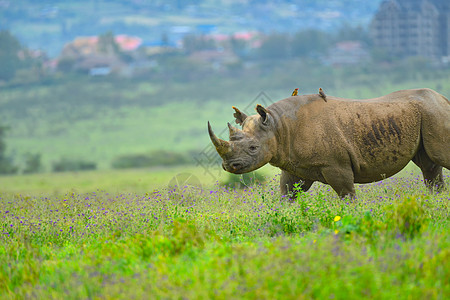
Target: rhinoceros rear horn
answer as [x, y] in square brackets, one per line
[222, 146]
[235, 133]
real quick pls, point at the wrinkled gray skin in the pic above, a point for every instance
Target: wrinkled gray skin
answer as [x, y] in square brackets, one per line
[342, 141]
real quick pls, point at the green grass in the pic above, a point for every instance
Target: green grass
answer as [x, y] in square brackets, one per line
[128, 180]
[391, 242]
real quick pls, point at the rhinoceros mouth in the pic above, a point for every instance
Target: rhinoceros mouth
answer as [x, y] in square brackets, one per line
[236, 167]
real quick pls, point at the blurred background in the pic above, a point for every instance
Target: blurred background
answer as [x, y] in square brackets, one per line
[108, 86]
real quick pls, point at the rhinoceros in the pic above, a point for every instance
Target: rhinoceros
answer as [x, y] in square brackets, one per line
[342, 141]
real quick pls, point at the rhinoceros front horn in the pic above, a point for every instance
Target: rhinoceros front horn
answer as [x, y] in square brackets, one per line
[222, 146]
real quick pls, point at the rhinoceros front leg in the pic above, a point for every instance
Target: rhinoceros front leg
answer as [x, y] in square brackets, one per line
[341, 180]
[288, 180]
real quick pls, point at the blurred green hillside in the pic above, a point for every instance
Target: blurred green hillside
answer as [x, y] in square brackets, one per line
[98, 119]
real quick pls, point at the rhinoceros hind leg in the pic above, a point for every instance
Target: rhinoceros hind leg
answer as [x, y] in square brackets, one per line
[341, 180]
[432, 173]
[287, 182]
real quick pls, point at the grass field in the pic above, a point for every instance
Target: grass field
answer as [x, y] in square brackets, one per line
[131, 180]
[131, 234]
[129, 240]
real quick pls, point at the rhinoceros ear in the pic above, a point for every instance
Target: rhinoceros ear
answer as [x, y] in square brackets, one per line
[264, 113]
[240, 116]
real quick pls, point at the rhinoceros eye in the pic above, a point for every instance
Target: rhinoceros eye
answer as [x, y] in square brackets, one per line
[253, 148]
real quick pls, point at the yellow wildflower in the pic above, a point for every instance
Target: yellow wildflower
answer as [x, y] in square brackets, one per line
[336, 231]
[337, 218]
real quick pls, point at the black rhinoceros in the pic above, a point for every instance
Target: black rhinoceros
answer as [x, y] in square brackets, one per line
[342, 141]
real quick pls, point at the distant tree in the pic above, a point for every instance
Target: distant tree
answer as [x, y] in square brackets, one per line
[192, 43]
[3, 130]
[32, 163]
[310, 43]
[107, 44]
[238, 46]
[381, 55]
[6, 164]
[144, 160]
[9, 60]
[69, 164]
[66, 64]
[164, 39]
[275, 46]
[413, 67]
[350, 33]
